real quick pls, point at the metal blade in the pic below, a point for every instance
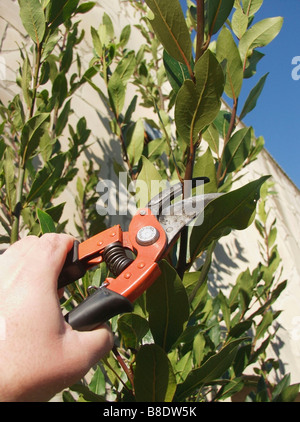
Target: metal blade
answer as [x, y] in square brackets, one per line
[174, 217]
[164, 198]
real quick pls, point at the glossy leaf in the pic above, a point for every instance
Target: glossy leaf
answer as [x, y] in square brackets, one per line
[32, 132]
[211, 370]
[233, 210]
[204, 165]
[143, 185]
[239, 23]
[154, 378]
[33, 19]
[96, 42]
[251, 6]
[288, 394]
[46, 222]
[217, 11]
[135, 141]
[177, 72]
[46, 177]
[251, 64]
[197, 105]
[211, 136]
[264, 325]
[60, 11]
[97, 384]
[132, 328]
[227, 51]
[251, 101]
[164, 298]
[259, 35]
[85, 7]
[26, 81]
[116, 91]
[237, 150]
[118, 80]
[170, 27]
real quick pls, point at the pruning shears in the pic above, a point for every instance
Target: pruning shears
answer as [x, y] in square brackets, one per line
[152, 232]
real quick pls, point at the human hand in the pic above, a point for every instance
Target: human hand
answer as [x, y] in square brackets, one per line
[40, 354]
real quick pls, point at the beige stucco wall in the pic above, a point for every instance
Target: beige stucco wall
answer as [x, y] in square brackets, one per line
[238, 250]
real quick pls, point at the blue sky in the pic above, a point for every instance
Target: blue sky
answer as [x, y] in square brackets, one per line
[277, 114]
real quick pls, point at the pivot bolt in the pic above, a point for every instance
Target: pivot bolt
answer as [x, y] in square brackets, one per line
[147, 235]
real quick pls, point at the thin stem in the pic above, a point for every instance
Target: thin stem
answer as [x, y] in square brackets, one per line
[181, 266]
[35, 78]
[123, 365]
[200, 28]
[231, 127]
[18, 208]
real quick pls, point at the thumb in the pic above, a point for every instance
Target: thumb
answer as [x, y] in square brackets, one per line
[83, 349]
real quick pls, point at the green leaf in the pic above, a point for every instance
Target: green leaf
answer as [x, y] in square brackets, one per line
[177, 72]
[233, 210]
[86, 394]
[97, 384]
[133, 328]
[224, 305]
[116, 92]
[210, 371]
[217, 11]
[264, 325]
[33, 19]
[154, 379]
[144, 189]
[59, 90]
[251, 101]
[228, 51]
[237, 150]
[197, 105]
[46, 177]
[9, 177]
[125, 35]
[63, 118]
[289, 394]
[250, 7]
[106, 29]
[56, 211]
[240, 328]
[211, 136]
[170, 27]
[232, 387]
[125, 67]
[85, 7]
[183, 367]
[259, 35]
[46, 222]
[135, 141]
[252, 62]
[239, 23]
[26, 81]
[96, 42]
[60, 11]
[168, 307]
[204, 165]
[31, 134]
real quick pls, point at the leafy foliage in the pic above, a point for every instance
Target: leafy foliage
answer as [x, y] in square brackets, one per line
[181, 342]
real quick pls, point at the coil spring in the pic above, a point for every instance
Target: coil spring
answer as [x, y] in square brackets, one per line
[116, 259]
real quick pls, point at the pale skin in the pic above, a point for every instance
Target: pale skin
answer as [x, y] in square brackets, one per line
[40, 354]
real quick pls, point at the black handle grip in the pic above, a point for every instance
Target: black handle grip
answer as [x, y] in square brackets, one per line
[73, 269]
[97, 309]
